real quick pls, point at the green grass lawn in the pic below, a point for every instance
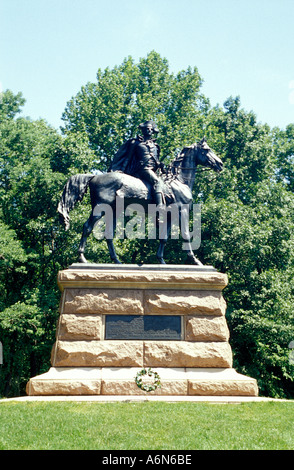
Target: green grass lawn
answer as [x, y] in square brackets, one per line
[146, 426]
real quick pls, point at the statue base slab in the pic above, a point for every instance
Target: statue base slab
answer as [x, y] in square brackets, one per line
[121, 381]
[116, 320]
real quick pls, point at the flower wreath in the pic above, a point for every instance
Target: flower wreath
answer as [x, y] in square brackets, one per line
[145, 387]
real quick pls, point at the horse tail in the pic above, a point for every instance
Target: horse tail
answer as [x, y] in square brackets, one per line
[73, 192]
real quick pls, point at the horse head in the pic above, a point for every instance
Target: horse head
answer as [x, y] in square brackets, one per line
[206, 157]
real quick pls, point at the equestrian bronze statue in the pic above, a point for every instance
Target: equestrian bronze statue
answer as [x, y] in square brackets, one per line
[138, 176]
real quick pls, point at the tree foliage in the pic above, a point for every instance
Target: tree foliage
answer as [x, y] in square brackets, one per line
[247, 212]
[110, 110]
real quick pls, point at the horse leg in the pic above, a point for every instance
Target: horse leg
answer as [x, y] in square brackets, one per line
[160, 252]
[87, 229]
[112, 252]
[162, 243]
[110, 244]
[192, 258]
[186, 236]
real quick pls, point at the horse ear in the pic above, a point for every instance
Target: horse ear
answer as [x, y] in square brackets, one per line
[202, 140]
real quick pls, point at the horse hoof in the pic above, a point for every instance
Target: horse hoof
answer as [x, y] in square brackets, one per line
[197, 262]
[82, 259]
[117, 261]
[194, 260]
[161, 261]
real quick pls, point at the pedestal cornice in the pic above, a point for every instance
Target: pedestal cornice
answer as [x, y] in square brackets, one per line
[180, 277]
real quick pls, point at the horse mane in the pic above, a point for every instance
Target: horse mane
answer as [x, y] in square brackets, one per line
[178, 160]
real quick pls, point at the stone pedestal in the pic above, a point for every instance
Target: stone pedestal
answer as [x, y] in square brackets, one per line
[116, 320]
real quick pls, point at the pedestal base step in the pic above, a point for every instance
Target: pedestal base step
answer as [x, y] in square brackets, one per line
[121, 381]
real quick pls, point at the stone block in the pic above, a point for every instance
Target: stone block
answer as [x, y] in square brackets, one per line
[97, 354]
[143, 277]
[102, 301]
[206, 328]
[220, 382]
[187, 354]
[66, 381]
[121, 381]
[80, 327]
[184, 302]
[222, 388]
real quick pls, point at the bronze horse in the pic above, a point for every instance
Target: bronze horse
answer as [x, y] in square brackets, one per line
[104, 188]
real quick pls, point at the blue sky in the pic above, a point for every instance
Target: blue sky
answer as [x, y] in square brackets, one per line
[50, 48]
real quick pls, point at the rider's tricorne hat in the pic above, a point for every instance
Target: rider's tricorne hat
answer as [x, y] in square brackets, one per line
[148, 123]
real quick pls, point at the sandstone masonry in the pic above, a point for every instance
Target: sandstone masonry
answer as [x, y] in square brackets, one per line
[85, 363]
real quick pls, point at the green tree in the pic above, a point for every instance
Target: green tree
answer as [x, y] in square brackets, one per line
[110, 110]
[10, 105]
[283, 141]
[247, 232]
[28, 197]
[35, 163]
